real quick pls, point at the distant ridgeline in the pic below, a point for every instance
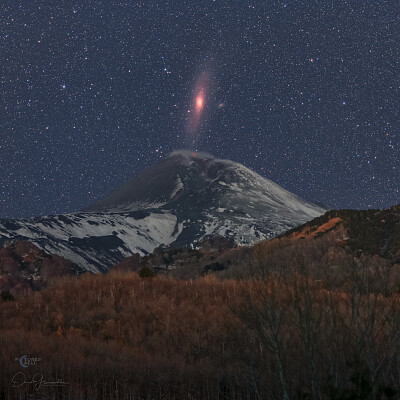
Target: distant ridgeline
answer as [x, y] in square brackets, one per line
[369, 231]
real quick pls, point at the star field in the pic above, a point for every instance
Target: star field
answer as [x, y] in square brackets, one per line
[305, 93]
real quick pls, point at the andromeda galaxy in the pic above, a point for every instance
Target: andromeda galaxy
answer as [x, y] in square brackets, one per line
[198, 106]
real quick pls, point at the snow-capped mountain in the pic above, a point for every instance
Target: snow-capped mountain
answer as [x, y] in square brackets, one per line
[177, 201]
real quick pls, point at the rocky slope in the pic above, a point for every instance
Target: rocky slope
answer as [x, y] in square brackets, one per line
[23, 266]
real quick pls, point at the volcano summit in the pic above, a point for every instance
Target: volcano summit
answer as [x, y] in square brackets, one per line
[177, 201]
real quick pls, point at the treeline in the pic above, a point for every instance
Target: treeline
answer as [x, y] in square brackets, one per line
[312, 321]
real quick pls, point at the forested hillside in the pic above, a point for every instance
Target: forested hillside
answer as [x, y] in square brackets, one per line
[312, 314]
[324, 326]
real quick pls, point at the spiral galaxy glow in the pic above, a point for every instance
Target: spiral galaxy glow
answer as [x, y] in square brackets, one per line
[199, 104]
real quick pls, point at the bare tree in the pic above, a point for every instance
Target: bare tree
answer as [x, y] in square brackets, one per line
[266, 311]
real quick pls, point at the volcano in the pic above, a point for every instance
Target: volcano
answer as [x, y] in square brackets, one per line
[177, 201]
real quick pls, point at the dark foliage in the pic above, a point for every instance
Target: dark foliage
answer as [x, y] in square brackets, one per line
[146, 272]
[6, 296]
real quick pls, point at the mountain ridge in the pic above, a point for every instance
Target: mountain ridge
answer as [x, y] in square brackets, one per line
[177, 202]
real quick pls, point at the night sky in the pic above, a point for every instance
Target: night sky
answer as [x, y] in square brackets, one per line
[306, 93]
